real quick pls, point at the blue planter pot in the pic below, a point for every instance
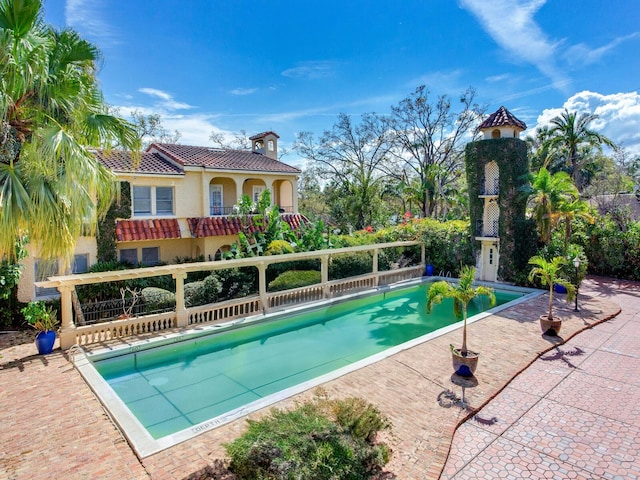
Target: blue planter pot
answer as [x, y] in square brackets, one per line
[428, 271]
[45, 341]
[559, 288]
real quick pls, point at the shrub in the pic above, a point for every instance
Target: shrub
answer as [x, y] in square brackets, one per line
[237, 282]
[203, 292]
[320, 439]
[157, 299]
[294, 279]
[279, 247]
[350, 264]
[276, 269]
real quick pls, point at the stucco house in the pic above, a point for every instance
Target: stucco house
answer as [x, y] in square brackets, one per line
[182, 201]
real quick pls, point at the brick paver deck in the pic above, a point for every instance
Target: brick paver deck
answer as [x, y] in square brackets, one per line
[574, 413]
[53, 427]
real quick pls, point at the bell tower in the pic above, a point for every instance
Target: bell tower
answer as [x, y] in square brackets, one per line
[265, 143]
[495, 166]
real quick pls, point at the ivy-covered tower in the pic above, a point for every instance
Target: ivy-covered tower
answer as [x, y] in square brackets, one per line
[497, 168]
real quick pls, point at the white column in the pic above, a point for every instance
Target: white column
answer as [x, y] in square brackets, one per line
[182, 315]
[375, 266]
[294, 194]
[67, 325]
[324, 275]
[262, 286]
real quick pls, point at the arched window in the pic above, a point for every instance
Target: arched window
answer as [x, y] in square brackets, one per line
[495, 133]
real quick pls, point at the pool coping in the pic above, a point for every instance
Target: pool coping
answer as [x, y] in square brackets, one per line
[145, 445]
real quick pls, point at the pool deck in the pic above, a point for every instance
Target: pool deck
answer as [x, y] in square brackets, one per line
[536, 408]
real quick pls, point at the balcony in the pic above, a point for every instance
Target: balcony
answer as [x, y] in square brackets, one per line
[215, 211]
[490, 188]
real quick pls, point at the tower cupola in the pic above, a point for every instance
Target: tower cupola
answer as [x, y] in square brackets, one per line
[502, 124]
[265, 143]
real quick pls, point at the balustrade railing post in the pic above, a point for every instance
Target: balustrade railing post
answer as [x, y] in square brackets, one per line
[182, 315]
[67, 326]
[262, 286]
[376, 278]
[324, 275]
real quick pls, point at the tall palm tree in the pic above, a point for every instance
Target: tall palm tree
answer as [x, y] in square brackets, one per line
[567, 211]
[568, 133]
[52, 113]
[547, 193]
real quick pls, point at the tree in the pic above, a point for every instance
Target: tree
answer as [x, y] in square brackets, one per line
[547, 192]
[150, 130]
[240, 140]
[349, 158]
[429, 139]
[462, 293]
[574, 141]
[52, 114]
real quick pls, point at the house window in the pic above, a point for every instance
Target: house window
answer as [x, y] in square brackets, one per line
[257, 191]
[217, 203]
[44, 269]
[164, 201]
[152, 201]
[142, 200]
[80, 263]
[271, 145]
[150, 256]
[129, 255]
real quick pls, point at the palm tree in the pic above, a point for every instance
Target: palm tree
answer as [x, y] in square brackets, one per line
[547, 193]
[550, 273]
[462, 293]
[568, 133]
[567, 211]
[52, 113]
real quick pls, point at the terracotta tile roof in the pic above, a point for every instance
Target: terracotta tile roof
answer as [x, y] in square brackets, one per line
[502, 118]
[120, 161]
[156, 229]
[220, 158]
[264, 134]
[215, 226]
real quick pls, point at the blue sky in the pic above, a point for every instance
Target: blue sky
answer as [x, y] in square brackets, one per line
[290, 66]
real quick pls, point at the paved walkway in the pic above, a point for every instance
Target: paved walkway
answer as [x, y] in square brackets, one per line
[51, 425]
[574, 413]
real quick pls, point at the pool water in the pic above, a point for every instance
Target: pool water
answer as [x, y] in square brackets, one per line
[180, 385]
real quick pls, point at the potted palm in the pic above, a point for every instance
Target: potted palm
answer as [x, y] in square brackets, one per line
[44, 320]
[464, 361]
[549, 273]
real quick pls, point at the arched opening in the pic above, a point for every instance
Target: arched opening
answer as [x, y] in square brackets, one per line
[495, 133]
[491, 178]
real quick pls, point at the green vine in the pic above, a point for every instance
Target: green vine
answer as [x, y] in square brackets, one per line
[106, 237]
[511, 156]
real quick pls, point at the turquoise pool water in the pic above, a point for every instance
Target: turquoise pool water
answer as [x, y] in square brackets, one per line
[180, 385]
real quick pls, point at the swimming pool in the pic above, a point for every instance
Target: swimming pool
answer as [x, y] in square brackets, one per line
[168, 391]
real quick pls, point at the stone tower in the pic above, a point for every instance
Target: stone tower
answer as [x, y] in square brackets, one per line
[497, 168]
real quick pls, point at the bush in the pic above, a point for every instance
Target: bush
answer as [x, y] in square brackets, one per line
[237, 282]
[294, 279]
[279, 247]
[350, 264]
[203, 292]
[157, 299]
[275, 269]
[321, 439]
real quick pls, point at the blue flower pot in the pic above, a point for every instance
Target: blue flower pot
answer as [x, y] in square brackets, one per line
[428, 271]
[45, 341]
[559, 288]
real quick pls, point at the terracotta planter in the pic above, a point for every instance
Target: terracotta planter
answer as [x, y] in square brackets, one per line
[550, 327]
[464, 366]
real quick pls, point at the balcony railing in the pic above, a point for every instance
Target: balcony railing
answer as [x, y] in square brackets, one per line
[220, 211]
[488, 229]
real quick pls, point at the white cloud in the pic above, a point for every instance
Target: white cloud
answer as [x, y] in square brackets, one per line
[86, 16]
[243, 91]
[581, 54]
[619, 115]
[167, 101]
[311, 69]
[512, 26]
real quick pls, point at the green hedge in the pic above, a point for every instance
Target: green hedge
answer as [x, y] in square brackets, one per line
[294, 279]
[350, 264]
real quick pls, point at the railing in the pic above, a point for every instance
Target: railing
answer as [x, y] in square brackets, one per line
[228, 310]
[104, 332]
[220, 211]
[488, 229]
[490, 189]
[71, 333]
[108, 310]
